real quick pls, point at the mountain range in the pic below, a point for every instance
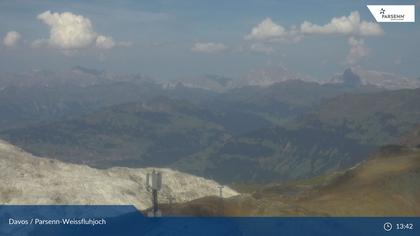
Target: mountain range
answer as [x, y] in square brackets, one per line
[270, 75]
[283, 131]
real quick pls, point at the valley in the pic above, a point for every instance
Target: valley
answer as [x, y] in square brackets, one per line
[284, 131]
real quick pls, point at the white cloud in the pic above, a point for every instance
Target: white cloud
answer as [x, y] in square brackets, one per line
[208, 47]
[104, 42]
[270, 31]
[11, 38]
[358, 50]
[351, 25]
[348, 25]
[69, 31]
[266, 30]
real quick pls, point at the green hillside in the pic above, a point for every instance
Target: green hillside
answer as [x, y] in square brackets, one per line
[375, 118]
[276, 154]
[385, 185]
[156, 133]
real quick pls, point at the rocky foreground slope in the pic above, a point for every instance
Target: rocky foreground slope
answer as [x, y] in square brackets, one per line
[26, 179]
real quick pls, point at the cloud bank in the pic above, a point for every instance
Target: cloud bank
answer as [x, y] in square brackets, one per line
[347, 25]
[350, 25]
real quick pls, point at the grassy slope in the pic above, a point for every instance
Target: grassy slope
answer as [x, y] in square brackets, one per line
[386, 185]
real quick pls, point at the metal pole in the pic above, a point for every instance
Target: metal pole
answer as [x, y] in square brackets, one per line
[222, 208]
[155, 203]
[220, 191]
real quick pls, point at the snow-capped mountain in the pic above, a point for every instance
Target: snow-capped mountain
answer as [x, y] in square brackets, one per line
[36, 180]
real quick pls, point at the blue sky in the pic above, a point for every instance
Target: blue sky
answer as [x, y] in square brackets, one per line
[173, 39]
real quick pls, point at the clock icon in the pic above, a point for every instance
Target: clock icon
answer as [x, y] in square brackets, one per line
[387, 226]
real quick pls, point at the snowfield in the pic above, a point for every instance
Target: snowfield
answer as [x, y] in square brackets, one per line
[27, 179]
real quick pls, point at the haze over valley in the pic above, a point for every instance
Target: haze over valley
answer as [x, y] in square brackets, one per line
[292, 129]
[293, 109]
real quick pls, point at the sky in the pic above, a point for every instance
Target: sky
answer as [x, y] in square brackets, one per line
[186, 38]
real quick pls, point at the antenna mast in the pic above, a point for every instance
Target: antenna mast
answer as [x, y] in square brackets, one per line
[220, 190]
[222, 208]
[154, 184]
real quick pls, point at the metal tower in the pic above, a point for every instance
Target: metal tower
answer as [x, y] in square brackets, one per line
[154, 184]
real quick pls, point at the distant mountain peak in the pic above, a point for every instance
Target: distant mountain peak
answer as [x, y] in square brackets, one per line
[350, 78]
[380, 79]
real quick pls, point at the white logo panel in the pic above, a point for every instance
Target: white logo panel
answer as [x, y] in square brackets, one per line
[393, 13]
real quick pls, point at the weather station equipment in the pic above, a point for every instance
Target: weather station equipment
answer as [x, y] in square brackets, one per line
[154, 184]
[220, 187]
[222, 208]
